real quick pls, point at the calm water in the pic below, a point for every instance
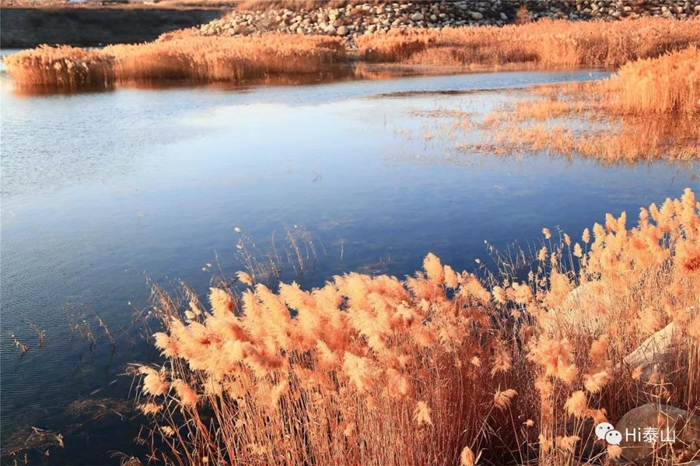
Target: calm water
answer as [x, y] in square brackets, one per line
[101, 191]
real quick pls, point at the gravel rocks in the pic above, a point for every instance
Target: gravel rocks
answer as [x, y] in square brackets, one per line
[371, 18]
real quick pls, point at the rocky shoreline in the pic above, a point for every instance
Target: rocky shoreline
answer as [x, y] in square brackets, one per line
[26, 27]
[372, 18]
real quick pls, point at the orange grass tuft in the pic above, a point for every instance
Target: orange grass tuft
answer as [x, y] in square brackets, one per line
[649, 110]
[667, 84]
[544, 44]
[176, 57]
[61, 67]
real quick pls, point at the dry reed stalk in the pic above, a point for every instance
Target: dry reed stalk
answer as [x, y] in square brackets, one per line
[202, 59]
[175, 57]
[544, 44]
[60, 68]
[356, 372]
[667, 84]
[646, 111]
[371, 370]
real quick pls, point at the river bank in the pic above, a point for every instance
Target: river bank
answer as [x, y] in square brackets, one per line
[187, 57]
[93, 25]
[361, 18]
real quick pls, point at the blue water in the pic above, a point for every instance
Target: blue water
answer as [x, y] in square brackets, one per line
[102, 191]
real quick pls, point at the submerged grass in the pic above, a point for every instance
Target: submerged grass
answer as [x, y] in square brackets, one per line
[442, 367]
[185, 56]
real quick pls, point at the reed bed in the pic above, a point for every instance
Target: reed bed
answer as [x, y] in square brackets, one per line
[176, 57]
[648, 110]
[543, 44]
[62, 67]
[441, 368]
[206, 59]
[663, 85]
[186, 56]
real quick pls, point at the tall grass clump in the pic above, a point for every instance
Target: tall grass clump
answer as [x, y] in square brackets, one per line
[542, 44]
[649, 110]
[224, 59]
[176, 57]
[440, 368]
[61, 68]
[362, 371]
[666, 84]
[631, 285]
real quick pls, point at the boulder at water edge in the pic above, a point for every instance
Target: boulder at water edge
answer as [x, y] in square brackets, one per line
[675, 433]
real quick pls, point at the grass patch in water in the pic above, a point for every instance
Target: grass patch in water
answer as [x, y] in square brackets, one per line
[648, 110]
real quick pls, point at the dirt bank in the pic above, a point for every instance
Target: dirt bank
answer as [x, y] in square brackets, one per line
[27, 27]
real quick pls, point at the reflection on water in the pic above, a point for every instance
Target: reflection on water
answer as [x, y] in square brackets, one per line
[100, 191]
[329, 74]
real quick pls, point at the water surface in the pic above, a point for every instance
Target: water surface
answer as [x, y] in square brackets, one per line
[100, 191]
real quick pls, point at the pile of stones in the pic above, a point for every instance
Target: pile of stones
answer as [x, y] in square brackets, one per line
[372, 18]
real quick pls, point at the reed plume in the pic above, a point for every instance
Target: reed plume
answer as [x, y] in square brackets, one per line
[379, 371]
[175, 57]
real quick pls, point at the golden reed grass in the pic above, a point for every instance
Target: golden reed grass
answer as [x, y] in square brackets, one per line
[185, 55]
[61, 67]
[175, 57]
[442, 368]
[647, 110]
[543, 44]
[667, 84]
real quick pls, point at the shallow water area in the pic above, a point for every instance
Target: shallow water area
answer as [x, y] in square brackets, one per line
[102, 190]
